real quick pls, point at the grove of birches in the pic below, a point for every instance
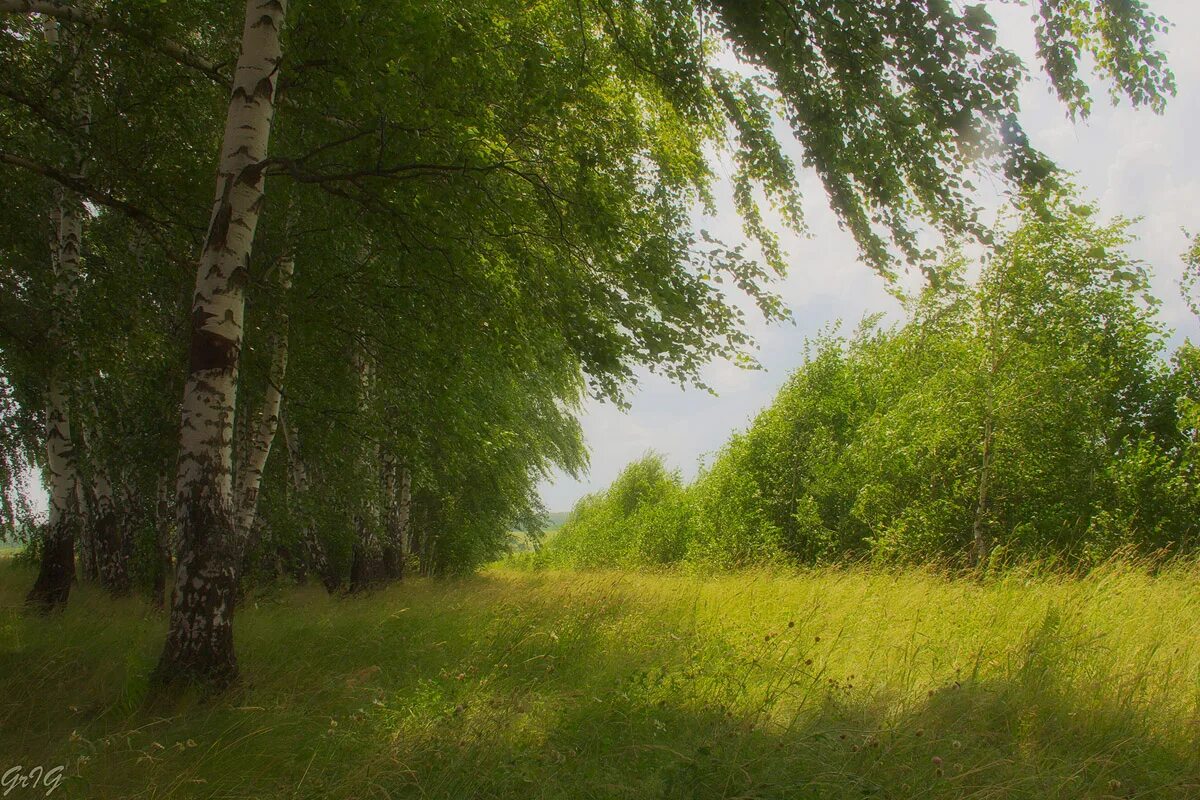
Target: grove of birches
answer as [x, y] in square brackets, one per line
[314, 291]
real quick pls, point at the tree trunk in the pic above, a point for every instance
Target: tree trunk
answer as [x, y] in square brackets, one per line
[367, 569]
[981, 540]
[199, 644]
[367, 566]
[250, 471]
[108, 535]
[425, 536]
[162, 542]
[104, 541]
[56, 569]
[397, 491]
[86, 539]
[313, 551]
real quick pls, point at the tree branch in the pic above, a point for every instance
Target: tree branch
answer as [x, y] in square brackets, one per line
[70, 13]
[295, 170]
[79, 186]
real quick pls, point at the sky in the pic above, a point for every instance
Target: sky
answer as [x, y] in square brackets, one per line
[1130, 162]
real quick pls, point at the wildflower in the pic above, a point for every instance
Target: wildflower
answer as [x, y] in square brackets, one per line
[791, 623]
[937, 761]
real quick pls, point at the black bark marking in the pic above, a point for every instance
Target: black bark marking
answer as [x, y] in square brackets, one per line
[210, 350]
[218, 231]
[265, 88]
[240, 277]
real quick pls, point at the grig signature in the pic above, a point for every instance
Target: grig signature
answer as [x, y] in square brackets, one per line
[34, 778]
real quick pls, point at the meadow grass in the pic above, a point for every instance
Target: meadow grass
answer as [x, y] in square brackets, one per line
[826, 684]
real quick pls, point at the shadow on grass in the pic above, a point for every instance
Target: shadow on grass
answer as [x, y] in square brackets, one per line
[998, 739]
[473, 689]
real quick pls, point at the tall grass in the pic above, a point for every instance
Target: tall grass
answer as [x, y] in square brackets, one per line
[825, 684]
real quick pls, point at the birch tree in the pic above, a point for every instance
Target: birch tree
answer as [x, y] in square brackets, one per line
[57, 568]
[266, 420]
[527, 178]
[57, 564]
[200, 639]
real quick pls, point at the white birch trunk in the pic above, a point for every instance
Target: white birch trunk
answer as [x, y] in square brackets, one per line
[200, 639]
[250, 471]
[104, 547]
[57, 567]
[108, 539]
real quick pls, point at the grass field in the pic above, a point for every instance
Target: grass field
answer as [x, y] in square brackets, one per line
[844, 684]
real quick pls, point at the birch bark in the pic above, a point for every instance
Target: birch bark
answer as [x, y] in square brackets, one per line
[56, 569]
[250, 471]
[103, 542]
[112, 557]
[199, 642]
[57, 565]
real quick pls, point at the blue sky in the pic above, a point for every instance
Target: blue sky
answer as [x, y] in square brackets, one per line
[1132, 163]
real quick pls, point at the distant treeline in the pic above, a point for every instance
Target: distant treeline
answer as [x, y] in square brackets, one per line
[1031, 412]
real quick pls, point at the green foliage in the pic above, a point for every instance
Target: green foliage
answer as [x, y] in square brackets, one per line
[639, 521]
[490, 203]
[1029, 414]
[897, 102]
